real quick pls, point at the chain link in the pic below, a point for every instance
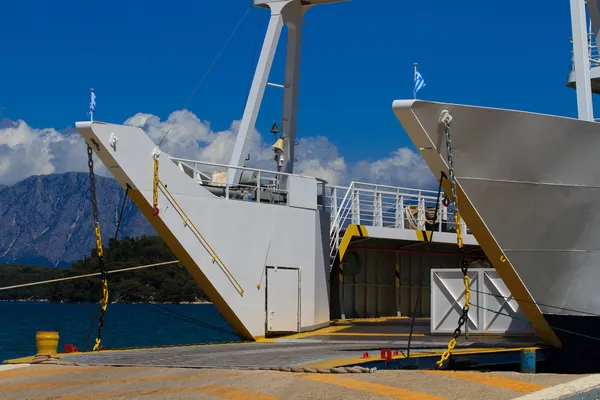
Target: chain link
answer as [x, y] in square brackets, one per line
[155, 180]
[446, 120]
[103, 272]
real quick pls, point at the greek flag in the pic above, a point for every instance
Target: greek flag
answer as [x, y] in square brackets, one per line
[419, 82]
[92, 103]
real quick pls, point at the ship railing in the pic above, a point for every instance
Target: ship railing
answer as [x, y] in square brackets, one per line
[385, 206]
[255, 185]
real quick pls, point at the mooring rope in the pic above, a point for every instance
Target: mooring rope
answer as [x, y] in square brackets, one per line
[332, 370]
[87, 275]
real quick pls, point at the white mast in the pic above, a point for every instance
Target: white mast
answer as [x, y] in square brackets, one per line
[291, 14]
[581, 60]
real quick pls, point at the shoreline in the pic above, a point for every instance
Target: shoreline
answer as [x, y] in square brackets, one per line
[75, 302]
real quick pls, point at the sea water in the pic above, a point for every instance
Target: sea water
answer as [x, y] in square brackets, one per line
[125, 325]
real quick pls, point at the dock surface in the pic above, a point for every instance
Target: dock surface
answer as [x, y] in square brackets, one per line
[303, 368]
[341, 344]
[59, 382]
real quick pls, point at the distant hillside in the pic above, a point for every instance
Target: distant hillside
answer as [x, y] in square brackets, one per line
[47, 220]
[2, 187]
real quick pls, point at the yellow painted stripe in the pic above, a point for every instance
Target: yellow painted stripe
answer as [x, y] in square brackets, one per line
[352, 231]
[375, 356]
[421, 235]
[366, 334]
[108, 381]
[490, 380]
[27, 360]
[234, 394]
[69, 370]
[383, 390]
[323, 331]
[228, 393]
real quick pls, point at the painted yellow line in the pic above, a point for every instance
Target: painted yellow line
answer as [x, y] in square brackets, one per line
[228, 393]
[490, 380]
[353, 230]
[376, 356]
[108, 381]
[28, 359]
[70, 370]
[365, 334]
[375, 319]
[423, 236]
[234, 394]
[383, 390]
[328, 330]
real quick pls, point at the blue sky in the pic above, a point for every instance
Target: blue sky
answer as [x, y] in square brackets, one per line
[147, 56]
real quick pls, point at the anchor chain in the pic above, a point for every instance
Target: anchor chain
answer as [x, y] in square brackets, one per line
[100, 251]
[446, 119]
[155, 156]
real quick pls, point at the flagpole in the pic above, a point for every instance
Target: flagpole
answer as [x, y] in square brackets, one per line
[91, 102]
[414, 78]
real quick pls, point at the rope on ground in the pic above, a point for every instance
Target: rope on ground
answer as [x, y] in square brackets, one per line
[88, 275]
[333, 370]
[47, 358]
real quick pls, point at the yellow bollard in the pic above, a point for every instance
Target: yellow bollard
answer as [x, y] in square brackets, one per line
[47, 342]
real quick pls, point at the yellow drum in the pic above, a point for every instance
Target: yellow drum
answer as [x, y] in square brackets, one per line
[46, 342]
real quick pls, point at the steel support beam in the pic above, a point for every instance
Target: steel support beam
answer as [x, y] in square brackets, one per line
[581, 60]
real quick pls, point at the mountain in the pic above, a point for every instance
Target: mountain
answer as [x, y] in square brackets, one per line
[2, 187]
[47, 220]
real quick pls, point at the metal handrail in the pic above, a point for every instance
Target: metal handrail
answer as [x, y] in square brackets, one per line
[235, 167]
[203, 241]
[385, 206]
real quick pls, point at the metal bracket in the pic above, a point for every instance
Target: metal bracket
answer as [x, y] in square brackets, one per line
[113, 141]
[156, 153]
[445, 117]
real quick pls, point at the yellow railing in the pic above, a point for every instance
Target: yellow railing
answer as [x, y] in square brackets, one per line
[209, 249]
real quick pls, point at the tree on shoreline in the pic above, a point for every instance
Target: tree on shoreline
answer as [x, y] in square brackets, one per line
[163, 284]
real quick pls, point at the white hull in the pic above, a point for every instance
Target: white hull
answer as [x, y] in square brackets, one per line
[528, 189]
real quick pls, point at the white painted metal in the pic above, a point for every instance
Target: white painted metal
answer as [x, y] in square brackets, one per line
[257, 89]
[246, 235]
[283, 284]
[291, 14]
[381, 206]
[499, 300]
[447, 300]
[302, 192]
[489, 297]
[594, 11]
[581, 60]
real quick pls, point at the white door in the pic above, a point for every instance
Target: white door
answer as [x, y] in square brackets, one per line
[283, 293]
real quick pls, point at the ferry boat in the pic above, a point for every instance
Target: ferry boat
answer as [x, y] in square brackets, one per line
[270, 248]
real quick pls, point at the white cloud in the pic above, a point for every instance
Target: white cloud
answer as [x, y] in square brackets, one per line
[26, 151]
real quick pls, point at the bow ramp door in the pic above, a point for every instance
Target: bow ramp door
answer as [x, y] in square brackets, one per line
[283, 299]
